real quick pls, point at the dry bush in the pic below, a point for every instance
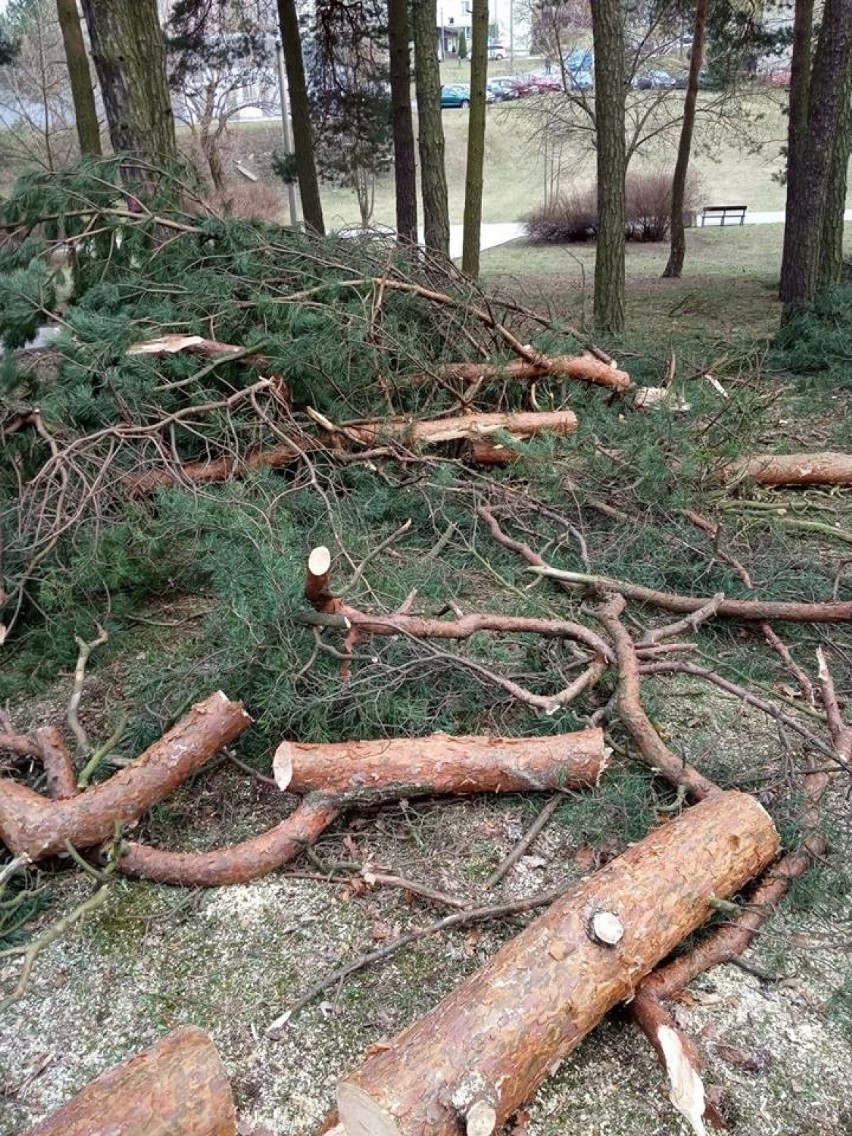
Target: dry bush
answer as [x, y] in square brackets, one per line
[254, 200]
[570, 218]
[649, 204]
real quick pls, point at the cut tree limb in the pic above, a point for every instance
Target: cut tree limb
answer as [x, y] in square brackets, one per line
[830, 612]
[30, 823]
[585, 367]
[237, 863]
[444, 764]
[469, 426]
[825, 468]
[178, 1086]
[219, 469]
[507, 1026]
[58, 766]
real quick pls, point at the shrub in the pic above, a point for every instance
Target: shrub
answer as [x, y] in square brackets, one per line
[649, 204]
[570, 218]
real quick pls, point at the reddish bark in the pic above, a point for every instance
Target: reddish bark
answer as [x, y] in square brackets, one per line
[443, 764]
[222, 469]
[195, 345]
[794, 469]
[33, 825]
[493, 1040]
[238, 863]
[585, 367]
[178, 1086]
[22, 745]
[58, 766]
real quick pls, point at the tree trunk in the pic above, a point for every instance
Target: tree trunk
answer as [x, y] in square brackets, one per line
[797, 118]
[608, 36]
[130, 59]
[405, 168]
[807, 195]
[210, 149]
[85, 113]
[486, 1048]
[443, 764]
[430, 129]
[177, 1086]
[31, 824]
[677, 255]
[831, 250]
[303, 135]
[475, 140]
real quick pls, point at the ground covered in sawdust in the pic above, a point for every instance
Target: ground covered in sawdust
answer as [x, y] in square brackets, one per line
[779, 1052]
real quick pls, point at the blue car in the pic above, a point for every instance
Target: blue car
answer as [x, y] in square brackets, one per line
[455, 95]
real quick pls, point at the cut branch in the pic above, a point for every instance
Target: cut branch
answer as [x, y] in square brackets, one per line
[832, 612]
[443, 764]
[177, 1086]
[585, 367]
[498, 1035]
[468, 426]
[29, 823]
[794, 469]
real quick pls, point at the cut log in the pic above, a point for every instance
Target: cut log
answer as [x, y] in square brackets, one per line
[471, 426]
[237, 863]
[58, 766]
[585, 367]
[443, 764]
[509, 1025]
[178, 1087]
[196, 345]
[485, 451]
[31, 824]
[794, 469]
[317, 577]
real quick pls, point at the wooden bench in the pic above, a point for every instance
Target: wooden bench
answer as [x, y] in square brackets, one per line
[737, 212]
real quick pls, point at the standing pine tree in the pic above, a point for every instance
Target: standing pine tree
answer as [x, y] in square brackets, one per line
[430, 128]
[405, 167]
[85, 113]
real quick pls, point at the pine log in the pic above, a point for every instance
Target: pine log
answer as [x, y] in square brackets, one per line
[485, 451]
[494, 1040]
[443, 764]
[825, 468]
[237, 863]
[472, 426]
[58, 766]
[585, 367]
[178, 1087]
[31, 824]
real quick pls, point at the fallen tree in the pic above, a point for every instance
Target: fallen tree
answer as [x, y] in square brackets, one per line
[32, 825]
[486, 1048]
[178, 1087]
[443, 764]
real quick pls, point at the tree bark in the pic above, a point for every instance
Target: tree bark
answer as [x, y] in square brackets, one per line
[831, 244]
[303, 135]
[677, 253]
[237, 863]
[82, 94]
[405, 167]
[797, 119]
[443, 764]
[519, 425]
[494, 1040]
[585, 367]
[177, 1086]
[430, 129]
[31, 824]
[58, 766]
[807, 195]
[608, 36]
[475, 140]
[130, 59]
[795, 469]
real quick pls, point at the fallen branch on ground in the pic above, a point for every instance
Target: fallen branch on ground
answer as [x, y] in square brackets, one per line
[32, 824]
[585, 367]
[430, 432]
[825, 468]
[830, 612]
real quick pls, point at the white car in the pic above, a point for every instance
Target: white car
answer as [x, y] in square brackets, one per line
[496, 51]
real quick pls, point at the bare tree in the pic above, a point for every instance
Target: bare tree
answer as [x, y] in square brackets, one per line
[405, 167]
[35, 91]
[608, 31]
[430, 128]
[77, 60]
[303, 135]
[475, 140]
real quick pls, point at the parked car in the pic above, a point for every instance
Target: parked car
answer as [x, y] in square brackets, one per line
[455, 95]
[503, 89]
[681, 79]
[545, 83]
[653, 80]
[778, 76]
[579, 69]
[496, 51]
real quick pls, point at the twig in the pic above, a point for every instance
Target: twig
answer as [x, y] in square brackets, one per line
[523, 844]
[801, 676]
[688, 623]
[34, 948]
[83, 651]
[100, 754]
[372, 554]
[275, 1030]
